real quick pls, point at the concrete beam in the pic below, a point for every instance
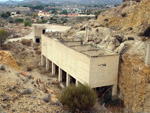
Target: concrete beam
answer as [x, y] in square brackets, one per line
[53, 68]
[68, 80]
[60, 75]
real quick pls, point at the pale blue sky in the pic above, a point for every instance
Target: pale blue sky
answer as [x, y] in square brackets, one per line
[7, 0]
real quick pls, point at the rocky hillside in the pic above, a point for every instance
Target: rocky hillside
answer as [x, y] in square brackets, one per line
[130, 17]
[124, 30]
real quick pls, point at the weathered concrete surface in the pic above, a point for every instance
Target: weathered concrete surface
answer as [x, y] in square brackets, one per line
[54, 28]
[85, 68]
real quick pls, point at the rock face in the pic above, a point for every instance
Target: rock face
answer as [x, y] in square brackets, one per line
[134, 84]
[130, 17]
[7, 59]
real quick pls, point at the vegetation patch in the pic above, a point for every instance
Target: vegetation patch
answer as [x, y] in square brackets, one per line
[78, 98]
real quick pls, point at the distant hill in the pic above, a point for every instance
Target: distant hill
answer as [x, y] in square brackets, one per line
[33, 2]
[39, 2]
[78, 1]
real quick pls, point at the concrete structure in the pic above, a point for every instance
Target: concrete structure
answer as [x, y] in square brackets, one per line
[37, 32]
[85, 64]
[39, 29]
[147, 59]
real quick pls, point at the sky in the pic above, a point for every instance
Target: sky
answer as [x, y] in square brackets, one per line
[7, 0]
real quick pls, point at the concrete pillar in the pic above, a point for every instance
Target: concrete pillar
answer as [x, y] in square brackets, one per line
[68, 80]
[53, 69]
[147, 59]
[60, 75]
[77, 82]
[47, 64]
[42, 60]
[114, 90]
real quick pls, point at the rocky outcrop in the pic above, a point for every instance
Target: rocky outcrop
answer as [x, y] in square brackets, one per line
[134, 84]
[7, 59]
[126, 26]
[130, 17]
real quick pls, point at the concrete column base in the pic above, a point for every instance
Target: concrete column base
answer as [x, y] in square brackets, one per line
[42, 60]
[147, 59]
[53, 69]
[68, 80]
[114, 90]
[77, 82]
[47, 65]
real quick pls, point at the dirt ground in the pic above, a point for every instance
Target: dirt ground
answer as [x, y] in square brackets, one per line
[24, 94]
[35, 90]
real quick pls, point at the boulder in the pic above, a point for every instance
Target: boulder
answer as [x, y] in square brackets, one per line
[27, 91]
[3, 68]
[46, 98]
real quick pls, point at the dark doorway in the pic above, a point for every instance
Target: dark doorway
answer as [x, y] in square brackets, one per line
[56, 69]
[44, 31]
[37, 40]
[72, 80]
[64, 76]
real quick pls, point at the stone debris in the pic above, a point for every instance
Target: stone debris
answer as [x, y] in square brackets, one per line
[2, 68]
[20, 97]
[27, 91]
[46, 98]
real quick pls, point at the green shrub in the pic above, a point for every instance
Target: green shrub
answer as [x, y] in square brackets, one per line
[44, 21]
[19, 20]
[65, 20]
[27, 23]
[80, 98]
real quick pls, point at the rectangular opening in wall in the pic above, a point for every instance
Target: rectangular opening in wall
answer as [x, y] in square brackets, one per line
[72, 80]
[44, 31]
[104, 94]
[102, 65]
[56, 70]
[64, 77]
[37, 40]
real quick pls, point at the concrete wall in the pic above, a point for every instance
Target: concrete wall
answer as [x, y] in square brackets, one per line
[95, 71]
[74, 63]
[37, 31]
[104, 71]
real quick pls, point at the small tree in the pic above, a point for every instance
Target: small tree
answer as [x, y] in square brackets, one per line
[19, 20]
[80, 98]
[65, 21]
[64, 12]
[3, 36]
[27, 23]
[5, 15]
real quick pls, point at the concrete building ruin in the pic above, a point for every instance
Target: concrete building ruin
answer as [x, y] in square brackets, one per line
[38, 31]
[84, 64]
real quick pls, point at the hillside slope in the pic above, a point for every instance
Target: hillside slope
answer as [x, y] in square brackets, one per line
[131, 17]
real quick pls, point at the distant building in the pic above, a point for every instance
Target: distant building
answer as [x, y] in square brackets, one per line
[14, 14]
[43, 14]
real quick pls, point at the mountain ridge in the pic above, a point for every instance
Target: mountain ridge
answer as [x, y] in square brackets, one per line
[76, 1]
